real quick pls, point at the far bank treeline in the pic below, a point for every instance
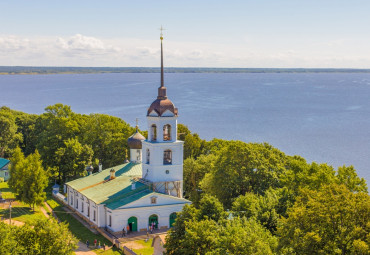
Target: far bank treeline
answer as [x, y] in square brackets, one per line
[248, 198]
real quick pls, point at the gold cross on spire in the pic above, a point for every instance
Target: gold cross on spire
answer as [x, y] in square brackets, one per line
[162, 32]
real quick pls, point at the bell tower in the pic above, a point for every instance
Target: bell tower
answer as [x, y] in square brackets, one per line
[162, 162]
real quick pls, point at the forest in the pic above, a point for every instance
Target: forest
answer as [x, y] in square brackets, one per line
[247, 198]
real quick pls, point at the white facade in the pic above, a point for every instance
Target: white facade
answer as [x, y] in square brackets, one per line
[163, 154]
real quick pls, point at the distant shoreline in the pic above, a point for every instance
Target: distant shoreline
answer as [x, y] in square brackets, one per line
[34, 70]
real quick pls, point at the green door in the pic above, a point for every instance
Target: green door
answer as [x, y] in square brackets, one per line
[153, 218]
[172, 218]
[132, 222]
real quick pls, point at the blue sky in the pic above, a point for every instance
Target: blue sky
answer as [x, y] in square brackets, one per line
[257, 33]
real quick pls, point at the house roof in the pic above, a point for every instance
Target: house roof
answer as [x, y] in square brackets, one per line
[99, 188]
[3, 162]
[117, 192]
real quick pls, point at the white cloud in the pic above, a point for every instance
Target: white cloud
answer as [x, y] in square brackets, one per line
[85, 45]
[81, 50]
[13, 44]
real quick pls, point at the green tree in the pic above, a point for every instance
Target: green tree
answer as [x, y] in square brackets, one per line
[27, 128]
[349, 177]
[211, 208]
[34, 181]
[241, 168]
[332, 220]
[9, 138]
[54, 127]
[16, 170]
[28, 178]
[194, 172]
[8, 240]
[244, 236]
[44, 236]
[72, 158]
[107, 136]
[175, 238]
[261, 208]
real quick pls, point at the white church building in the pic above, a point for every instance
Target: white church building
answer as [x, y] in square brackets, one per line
[146, 190]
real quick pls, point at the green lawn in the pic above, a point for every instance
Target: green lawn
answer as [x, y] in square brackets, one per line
[6, 192]
[20, 211]
[79, 230]
[147, 249]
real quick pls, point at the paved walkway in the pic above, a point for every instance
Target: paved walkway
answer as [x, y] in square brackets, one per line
[14, 222]
[44, 212]
[133, 236]
[83, 250]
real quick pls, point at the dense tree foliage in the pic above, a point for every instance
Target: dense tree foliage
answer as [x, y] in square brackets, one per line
[66, 141]
[9, 137]
[28, 178]
[211, 230]
[45, 236]
[332, 220]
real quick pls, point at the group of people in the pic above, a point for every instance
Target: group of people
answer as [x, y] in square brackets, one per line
[95, 243]
[126, 230]
[151, 227]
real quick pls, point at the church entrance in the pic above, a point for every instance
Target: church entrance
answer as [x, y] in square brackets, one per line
[172, 218]
[132, 222]
[153, 219]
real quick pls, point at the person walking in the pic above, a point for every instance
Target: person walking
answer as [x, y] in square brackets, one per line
[87, 243]
[95, 243]
[123, 232]
[128, 229]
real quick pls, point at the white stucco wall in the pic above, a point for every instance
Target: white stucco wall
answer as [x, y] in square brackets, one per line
[142, 214]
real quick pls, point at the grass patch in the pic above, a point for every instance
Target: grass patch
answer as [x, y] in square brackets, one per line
[22, 212]
[6, 192]
[146, 247]
[76, 227]
[113, 251]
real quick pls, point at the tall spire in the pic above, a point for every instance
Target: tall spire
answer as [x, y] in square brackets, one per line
[162, 89]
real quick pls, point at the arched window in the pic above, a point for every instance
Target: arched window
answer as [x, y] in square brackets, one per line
[167, 132]
[147, 156]
[138, 157]
[154, 132]
[167, 157]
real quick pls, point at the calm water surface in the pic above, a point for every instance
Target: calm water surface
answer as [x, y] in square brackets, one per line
[322, 117]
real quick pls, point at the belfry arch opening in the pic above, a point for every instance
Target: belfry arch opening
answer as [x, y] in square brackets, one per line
[167, 157]
[154, 132]
[167, 132]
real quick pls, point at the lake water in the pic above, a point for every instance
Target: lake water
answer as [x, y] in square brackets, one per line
[323, 117]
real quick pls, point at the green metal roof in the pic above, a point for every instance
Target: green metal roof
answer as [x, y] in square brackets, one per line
[99, 188]
[129, 169]
[113, 193]
[3, 162]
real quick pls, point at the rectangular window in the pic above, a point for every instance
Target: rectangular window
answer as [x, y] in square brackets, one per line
[82, 206]
[88, 211]
[77, 203]
[110, 220]
[94, 218]
[153, 200]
